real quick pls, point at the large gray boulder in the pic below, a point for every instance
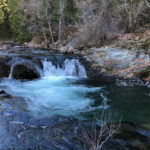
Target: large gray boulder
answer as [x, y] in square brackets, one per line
[25, 71]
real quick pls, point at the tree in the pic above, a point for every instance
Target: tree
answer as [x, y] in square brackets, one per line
[147, 3]
[97, 136]
[53, 17]
[130, 11]
[30, 18]
[18, 21]
[67, 16]
[4, 8]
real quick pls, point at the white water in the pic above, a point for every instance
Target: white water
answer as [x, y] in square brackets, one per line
[71, 68]
[54, 92]
[11, 71]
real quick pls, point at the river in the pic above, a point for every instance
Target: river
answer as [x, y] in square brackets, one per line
[65, 89]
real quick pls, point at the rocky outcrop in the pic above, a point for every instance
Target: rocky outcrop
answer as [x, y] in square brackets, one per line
[25, 71]
[4, 67]
[128, 58]
[6, 44]
[119, 63]
[31, 45]
[4, 70]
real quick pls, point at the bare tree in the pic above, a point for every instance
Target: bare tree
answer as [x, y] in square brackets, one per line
[95, 138]
[41, 22]
[99, 24]
[49, 22]
[147, 3]
[61, 12]
[130, 10]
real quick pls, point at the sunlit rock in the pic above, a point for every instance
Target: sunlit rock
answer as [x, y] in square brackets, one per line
[67, 50]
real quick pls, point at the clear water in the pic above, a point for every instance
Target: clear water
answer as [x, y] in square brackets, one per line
[129, 103]
[67, 91]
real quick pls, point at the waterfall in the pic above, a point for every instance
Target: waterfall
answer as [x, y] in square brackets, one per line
[50, 70]
[55, 67]
[56, 92]
[69, 68]
[11, 71]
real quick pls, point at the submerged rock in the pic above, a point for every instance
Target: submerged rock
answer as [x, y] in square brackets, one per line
[4, 95]
[133, 137]
[66, 133]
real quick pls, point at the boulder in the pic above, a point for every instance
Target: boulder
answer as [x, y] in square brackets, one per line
[63, 49]
[67, 50]
[31, 45]
[4, 68]
[4, 95]
[25, 71]
[70, 50]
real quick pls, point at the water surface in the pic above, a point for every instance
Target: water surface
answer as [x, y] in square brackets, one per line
[67, 91]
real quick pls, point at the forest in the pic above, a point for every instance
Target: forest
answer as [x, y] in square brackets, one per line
[61, 20]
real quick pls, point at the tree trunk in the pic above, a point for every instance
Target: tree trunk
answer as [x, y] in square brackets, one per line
[49, 24]
[61, 10]
[43, 28]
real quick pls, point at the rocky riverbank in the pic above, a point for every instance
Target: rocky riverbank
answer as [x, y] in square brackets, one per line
[5, 44]
[127, 59]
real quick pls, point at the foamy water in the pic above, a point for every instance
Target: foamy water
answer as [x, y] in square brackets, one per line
[55, 92]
